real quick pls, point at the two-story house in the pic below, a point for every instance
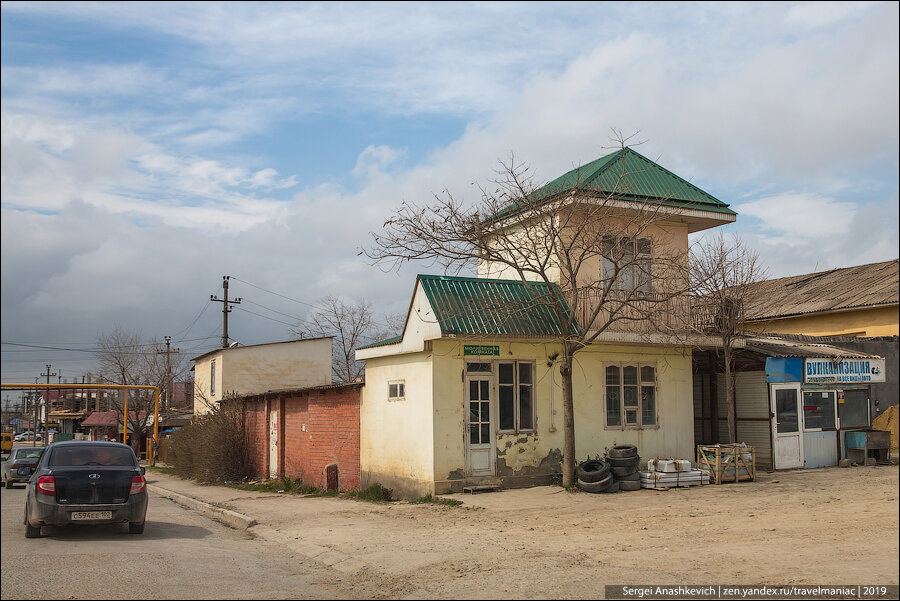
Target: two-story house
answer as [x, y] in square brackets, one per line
[471, 391]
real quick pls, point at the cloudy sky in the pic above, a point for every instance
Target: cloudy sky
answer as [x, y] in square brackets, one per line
[150, 149]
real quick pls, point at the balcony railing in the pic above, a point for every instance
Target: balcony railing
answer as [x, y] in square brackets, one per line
[644, 312]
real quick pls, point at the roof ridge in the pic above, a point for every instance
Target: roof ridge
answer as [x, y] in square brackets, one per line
[458, 278]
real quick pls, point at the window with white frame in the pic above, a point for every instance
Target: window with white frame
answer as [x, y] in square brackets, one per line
[396, 390]
[633, 256]
[630, 396]
[212, 377]
[515, 390]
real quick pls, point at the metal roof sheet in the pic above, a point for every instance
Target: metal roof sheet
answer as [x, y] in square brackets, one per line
[775, 347]
[871, 285]
[491, 307]
[627, 175]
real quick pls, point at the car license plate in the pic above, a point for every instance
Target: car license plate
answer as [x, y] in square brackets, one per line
[24, 471]
[91, 515]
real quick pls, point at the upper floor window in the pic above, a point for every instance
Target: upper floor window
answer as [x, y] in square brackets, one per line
[212, 377]
[633, 257]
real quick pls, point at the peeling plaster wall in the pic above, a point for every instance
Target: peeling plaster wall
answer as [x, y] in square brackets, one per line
[396, 445]
[517, 454]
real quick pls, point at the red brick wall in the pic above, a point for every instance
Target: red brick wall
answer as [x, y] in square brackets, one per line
[257, 435]
[321, 427]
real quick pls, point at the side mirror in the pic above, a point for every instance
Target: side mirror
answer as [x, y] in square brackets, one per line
[143, 470]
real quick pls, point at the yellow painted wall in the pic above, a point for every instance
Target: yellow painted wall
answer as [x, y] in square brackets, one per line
[522, 453]
[449, 407]
[202, 395]
[673, 438]
[879, 321]
[396, 437]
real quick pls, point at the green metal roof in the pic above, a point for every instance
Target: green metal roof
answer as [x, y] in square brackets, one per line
[385, 342]
[626, 175]
[491, 307]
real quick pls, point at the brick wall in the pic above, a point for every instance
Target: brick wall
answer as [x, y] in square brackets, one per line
[256, 424]
[321, 427]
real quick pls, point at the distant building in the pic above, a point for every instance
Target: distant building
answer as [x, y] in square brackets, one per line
[259, 368]
[860, 301]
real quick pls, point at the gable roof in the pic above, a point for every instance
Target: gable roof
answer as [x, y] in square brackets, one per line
[862, 286]
[780, 347]
[494, 307]
[490, 307]
[626, 175]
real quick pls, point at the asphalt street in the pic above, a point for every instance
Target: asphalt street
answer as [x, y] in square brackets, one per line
[181, 555]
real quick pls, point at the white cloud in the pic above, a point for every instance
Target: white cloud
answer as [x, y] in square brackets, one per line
[800, 216]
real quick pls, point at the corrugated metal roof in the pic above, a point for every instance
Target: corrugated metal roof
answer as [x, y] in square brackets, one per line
[494, 307]
[627, 175]
[385, 342]
[775, 347]
[870, 285]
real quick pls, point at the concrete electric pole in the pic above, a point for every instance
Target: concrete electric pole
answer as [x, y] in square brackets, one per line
[226, 309]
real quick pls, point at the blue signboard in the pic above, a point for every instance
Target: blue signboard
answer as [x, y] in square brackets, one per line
[784, 369]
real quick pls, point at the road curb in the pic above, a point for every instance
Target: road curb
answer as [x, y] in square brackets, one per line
[235, 520]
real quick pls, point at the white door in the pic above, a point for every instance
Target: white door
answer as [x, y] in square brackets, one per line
[787, 426]
[480, 443]
[273, 442]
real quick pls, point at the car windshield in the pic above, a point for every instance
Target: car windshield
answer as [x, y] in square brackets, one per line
[91, 455]
[29, 453]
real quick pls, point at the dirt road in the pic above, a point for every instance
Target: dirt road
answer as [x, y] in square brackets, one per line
[822, 526]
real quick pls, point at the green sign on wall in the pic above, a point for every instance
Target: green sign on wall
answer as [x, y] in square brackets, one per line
[481, 349]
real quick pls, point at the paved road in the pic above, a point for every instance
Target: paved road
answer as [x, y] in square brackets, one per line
[181, 555]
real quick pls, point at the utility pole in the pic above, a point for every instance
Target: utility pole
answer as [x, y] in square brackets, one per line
[168, 350]
[226, 309]
[37, 426]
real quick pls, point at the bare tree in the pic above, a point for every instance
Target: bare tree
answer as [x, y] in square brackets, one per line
[124, 358]
[723, 275]
[351, 325]
[607, 250]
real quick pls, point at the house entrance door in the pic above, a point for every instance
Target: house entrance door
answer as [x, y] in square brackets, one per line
[480, 438]
[787, 426]
[273, 442]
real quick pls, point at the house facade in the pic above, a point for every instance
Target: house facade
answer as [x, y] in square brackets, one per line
[258, 368]
[471, 394]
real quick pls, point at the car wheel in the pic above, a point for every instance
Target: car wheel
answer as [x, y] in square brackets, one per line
[31, 531]
[135, 528]
[9, 484]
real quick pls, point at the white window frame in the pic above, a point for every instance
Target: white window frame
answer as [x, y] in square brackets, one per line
[640, 386]
[516, 399]
[401, 390]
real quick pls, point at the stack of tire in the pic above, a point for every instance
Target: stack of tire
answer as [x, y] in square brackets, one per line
[623, 461]
[595, 476]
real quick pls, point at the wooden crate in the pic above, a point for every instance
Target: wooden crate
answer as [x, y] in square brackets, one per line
[727, 462]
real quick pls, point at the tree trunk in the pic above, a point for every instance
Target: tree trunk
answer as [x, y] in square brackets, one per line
[568, 467]
[729, 395]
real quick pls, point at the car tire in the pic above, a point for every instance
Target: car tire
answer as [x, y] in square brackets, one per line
[593, 470]
[613, 487]
[623, 461]
[632, 477]
[32, 531]
[135, 528]
[629, 485]
[595, 487]
[622, 451]
[9, 484]
[620, 473]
